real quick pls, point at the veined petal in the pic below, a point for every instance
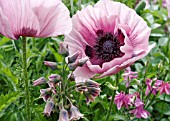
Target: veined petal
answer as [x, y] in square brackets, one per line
[53, 17]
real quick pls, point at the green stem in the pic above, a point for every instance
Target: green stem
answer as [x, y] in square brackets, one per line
[111, 102]
[25, 78]
[72, 7]
[143, 81]
[150, 102]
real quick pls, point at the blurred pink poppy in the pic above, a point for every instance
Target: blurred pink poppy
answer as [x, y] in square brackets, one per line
[34, 18]
[111, 35]
[168, 7]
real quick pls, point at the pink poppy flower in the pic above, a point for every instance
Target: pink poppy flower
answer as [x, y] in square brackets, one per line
[168, 7]
[34, 18]
[111, 35]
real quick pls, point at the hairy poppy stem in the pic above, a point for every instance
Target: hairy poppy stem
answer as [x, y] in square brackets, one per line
[25, 78]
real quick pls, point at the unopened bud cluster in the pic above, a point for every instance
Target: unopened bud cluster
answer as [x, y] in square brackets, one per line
[90, 89]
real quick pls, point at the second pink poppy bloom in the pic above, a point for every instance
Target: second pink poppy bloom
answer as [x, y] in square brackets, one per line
[111, 35]
[34, 18]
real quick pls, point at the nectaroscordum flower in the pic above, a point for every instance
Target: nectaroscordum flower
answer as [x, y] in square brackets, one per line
[34, 18]
[39, 81]
[75, 113]
[111, 35]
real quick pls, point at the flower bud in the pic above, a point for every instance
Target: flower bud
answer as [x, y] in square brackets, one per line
[82, 61]
[90, 83]
[50, 64]
[73, 66]
[110, 86]
[94, 91]
[71, 77]
[75, 113]
[63, 115]
[39, 81]
[45, 94]
[63, 50]
[72, 58]
[54, 79]
[48, 108]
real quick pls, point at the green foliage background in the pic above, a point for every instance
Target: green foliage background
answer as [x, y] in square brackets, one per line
[12, 106]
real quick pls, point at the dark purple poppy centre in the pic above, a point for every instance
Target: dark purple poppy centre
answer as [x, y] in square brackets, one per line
[107, 46]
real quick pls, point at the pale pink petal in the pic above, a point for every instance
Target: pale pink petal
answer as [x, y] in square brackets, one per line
[84, 72]
[53, 17]
[34, 18]
[139, 33]
[5, 29]
[127, 63]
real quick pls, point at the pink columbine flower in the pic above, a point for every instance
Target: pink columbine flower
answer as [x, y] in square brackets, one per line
[34, 18]
[111, 35]
[75, 113]
[122, 99]
[139, 112]
[165, 88]
[149, 88]
[39, 81]
[129, 75]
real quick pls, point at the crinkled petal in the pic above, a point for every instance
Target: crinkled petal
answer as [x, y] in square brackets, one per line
[53, 17]
[127, 63]
[139, 33]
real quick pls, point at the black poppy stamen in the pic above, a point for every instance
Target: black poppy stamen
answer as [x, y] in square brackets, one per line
[108, 45]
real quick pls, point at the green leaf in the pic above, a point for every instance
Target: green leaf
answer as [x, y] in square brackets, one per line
[7, 100]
